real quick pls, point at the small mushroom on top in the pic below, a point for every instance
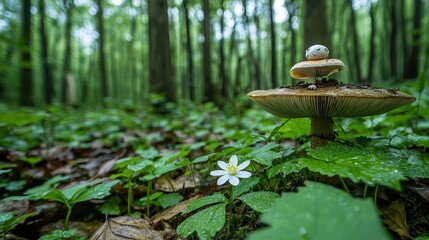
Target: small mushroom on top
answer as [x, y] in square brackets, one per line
[326, 102]
[317, 66]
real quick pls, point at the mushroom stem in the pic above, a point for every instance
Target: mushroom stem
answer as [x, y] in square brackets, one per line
[321, 131]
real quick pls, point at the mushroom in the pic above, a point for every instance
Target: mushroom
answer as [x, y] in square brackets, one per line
[326, 102]
[317, 65]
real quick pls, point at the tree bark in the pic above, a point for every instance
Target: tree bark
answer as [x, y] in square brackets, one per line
[356, 49]
[190, 68]
[273, 47]
[26, 77]
[290, 7]
[371, 58]
[160, 69]
[316, 30]
[48, 83]
[101, 52]
[413, 60]
[209, 89]
[68, 5]
[393, 43]
[222, 72]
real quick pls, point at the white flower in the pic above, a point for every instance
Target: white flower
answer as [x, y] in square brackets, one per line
[230, 171]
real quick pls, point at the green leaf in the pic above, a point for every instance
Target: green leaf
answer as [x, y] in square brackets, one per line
[5, 217]
[171, 199]
[46, 186]
[285, 168]
[8, 221]
[244, 186]
[32, 160]
[321, 212]
[111, 206]
[411, 163]
[206, 222]
[56, 195]
[203, 158]
[204, 201]
[259, 201]
[98, 191]
[59, 235]
[149, 153]
[368, 165]
[144, 164]
[276, 129]
[264, 155]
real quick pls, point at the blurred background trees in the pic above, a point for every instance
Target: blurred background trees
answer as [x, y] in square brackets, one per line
[87, 52]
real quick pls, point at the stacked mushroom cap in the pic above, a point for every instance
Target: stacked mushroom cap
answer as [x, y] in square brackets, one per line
[332, 101]
[340, 101]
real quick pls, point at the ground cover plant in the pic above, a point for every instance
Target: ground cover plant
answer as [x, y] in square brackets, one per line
[199, 171]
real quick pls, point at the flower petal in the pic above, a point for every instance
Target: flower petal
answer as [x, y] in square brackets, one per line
[243, 174]
[233, 159]
[234, 180]
[222, 179]
[218, 172]
[243, 165]
[222, 164]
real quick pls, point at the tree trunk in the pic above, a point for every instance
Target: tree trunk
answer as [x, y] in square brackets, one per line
[413, 60]
[191, 83]
[222, 73]
[316, 30]
[356, 49]
[290, 7]
[371, 58]
[48, 83]
[393, 56]
[101, 52]
[26, 77]
[273, 47]
[68, 5]
[160, 71]
[209, 89]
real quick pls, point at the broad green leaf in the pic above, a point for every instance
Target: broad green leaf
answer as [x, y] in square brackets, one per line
[206, 222]
[59, 235]
[3, 171]
[263, 154]
[295, 128]
[244, 186]
[203, 158]
[144, 164]
[259, 201]
[285, 168]
[368, 165]
[124, 162]
[56, 195]
[321, 212]
[70, 192]
[5, 217]
[8, 223]
[204, 201]
[32, 160]
[168, 200]
[149, 153]
[111, 206]
[46, 186]
[411, 163]
[98, 191]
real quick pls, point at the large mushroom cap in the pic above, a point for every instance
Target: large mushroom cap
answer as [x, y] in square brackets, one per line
[333, 101]
[316, 68]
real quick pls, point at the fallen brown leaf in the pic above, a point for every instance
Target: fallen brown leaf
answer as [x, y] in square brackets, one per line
[394, 217]
[127, 228]
[173, 211]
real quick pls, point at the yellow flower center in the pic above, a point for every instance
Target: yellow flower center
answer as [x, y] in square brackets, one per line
[232, 169]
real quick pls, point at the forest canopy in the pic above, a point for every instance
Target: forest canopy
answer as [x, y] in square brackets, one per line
[82, 52]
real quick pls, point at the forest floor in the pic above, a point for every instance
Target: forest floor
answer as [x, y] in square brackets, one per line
[138, 171]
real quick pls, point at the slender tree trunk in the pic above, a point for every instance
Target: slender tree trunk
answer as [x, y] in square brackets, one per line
[316, 30]
[209, 90]
[413, 60]
[273, 47]
[393, 56]
[48, 83]
[101, 52]
[160, 74]
[356, 49]
[290, 7]
[222, 72]
[258, 49]
[255, 71]
[68, 5]
[26, 78]
[189, 52]
[371, 58]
